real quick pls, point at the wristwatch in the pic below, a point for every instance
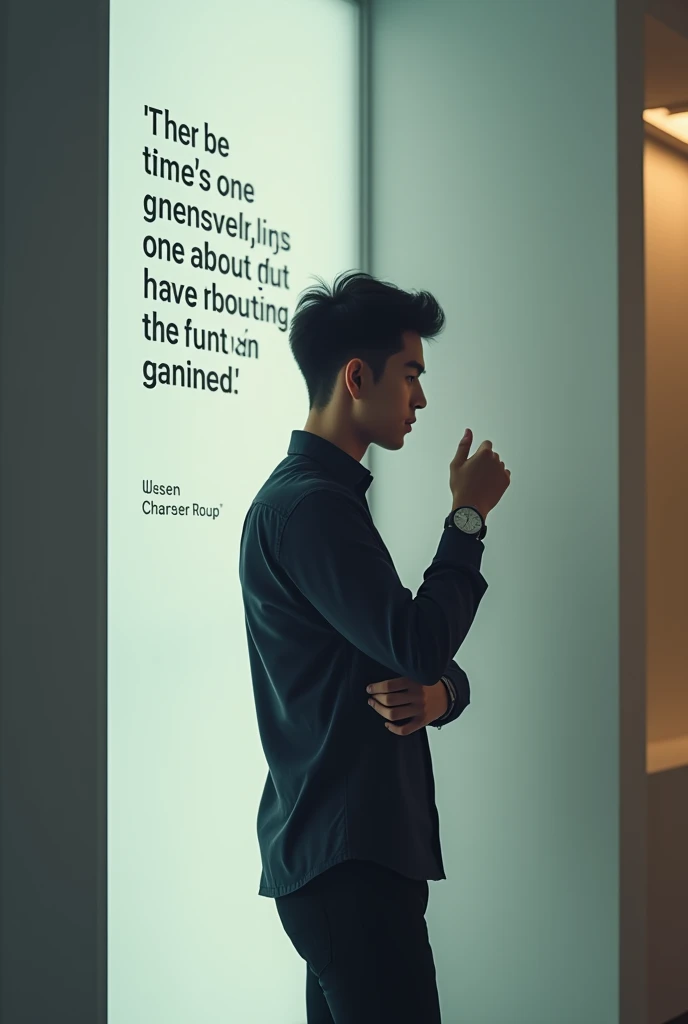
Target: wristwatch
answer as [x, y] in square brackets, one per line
[467, 519]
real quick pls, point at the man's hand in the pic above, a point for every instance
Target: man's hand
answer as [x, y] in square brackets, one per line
[404, 698]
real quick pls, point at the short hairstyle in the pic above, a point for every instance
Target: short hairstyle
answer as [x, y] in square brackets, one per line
[360, 317]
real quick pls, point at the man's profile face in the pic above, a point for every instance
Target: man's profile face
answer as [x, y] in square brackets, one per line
[397, 397]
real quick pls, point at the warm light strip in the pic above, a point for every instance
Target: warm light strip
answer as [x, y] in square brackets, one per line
[663, 755]
[672, 124]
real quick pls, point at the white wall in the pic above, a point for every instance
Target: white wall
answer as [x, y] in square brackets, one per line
[186, 770]
[495, 186]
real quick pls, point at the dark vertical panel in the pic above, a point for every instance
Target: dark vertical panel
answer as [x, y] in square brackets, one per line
[53, 513]
[632, 744]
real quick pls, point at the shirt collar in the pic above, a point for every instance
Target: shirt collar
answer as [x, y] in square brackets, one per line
[338, 463]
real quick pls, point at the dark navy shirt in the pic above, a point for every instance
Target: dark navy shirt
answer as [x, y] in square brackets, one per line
[326, 614]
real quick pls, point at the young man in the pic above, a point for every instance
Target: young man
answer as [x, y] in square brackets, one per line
[348, 668]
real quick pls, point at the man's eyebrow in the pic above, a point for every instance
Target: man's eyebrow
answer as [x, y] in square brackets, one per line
[415, 365]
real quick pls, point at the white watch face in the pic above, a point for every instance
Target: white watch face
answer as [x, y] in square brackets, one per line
[467, 519]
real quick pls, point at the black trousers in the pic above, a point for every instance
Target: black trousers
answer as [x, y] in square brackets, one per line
[361, 929]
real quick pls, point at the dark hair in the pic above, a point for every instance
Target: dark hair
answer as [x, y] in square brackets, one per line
[360, 317]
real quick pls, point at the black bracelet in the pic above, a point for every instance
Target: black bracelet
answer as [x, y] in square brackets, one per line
[452, 700]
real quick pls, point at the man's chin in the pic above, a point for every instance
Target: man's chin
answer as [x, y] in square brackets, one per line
[393, 444]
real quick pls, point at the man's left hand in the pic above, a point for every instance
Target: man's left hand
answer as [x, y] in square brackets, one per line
[404, 698]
